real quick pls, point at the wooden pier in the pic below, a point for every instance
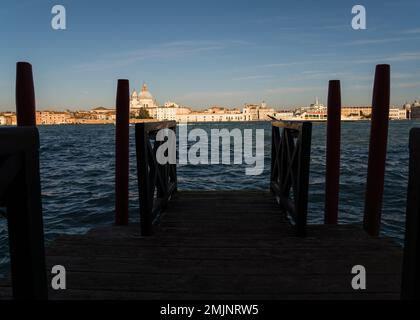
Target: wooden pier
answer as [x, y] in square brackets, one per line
[225, 245]
[211, 244]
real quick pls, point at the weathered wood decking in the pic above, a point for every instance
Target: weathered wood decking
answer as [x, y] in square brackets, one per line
[225, 245]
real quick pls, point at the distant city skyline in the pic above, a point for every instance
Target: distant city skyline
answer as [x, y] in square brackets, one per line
[203, 53]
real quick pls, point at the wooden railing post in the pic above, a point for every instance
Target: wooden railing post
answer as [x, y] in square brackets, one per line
[25, 225]
[145, 198]
[22, 194]
[411, 263]
[332, 176]
[174, 171]
[122, 152]
[25, 95]
[290, 166]
[377, 150]
[274, 139]
[157, 182]
[303, 179]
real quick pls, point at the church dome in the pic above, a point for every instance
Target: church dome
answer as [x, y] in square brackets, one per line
[145, 94]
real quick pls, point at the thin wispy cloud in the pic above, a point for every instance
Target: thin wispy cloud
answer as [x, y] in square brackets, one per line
[274, 19]
[407, 85]
[379, 41]
[301, 63]
[281, 65]
[399, 57]
[170, 50]
[412, 31]
[318, 75]
[254, 77]
[406, 56]
[335, 27]
[210, 53]
[213, 94]
[403, 75]
[291, 90]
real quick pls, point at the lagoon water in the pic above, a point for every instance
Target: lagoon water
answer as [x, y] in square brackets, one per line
[77, 176]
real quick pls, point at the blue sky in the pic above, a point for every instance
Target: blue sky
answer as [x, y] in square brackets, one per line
[201, 53]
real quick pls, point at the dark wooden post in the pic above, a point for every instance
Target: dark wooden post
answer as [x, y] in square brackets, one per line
[411, 263]
[332, 176]
[273, 157]
[122, 152]
[25, 95]
[303, 179]
[24, 204]
[23, 196]
[145, 196]
[377, 150]
[26, 231]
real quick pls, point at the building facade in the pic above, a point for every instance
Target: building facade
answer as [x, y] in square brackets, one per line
[255, 112]
[397, 114]
[53, 117]
[356, 112]
[143, 99]
[415, 112]
[209, 117]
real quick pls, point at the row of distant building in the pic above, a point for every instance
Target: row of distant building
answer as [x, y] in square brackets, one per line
[143, 105]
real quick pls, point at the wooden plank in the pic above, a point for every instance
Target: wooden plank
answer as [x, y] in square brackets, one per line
[285, 265]
[221, 253]
[228, 284]
[225, 250]
[135, 295]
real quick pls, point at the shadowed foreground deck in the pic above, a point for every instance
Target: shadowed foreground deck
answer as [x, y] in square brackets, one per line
[222, 245]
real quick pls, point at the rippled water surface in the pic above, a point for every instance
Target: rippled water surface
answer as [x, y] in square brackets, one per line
[77, 176]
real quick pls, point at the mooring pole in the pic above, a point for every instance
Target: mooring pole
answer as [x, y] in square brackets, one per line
[25, 95]
[410, 283]
[121, 152]
[24, 202]
[332, 176]
[377, 150]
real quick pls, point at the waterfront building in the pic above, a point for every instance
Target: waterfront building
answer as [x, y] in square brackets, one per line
[250, 112]
[264, 113]
[209, 117]
[397, 113]
[170, 112]
[407, 106]
[316, 112]
[361, 112]
[102, 113]
[52, 117]
[169, 104]
[144, 99]
[415, 112]
[315, 115]
[102, 110]
[8, 119]
[284, 115]
[413, 109]
[255, 112]
[317, 105]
